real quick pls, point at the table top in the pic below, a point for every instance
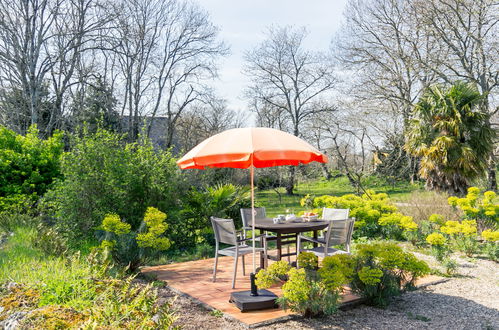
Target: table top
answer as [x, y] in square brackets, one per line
[289, 226]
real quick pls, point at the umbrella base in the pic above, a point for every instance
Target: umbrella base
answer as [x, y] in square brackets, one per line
[246, 302]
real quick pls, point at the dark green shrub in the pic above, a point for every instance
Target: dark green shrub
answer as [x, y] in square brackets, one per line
[28, 166]
[221, 200]
[103, 174]
[384, 270]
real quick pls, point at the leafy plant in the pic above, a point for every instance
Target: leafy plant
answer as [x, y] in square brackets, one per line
[221, 200]
[438, 245]
[375, 214]
[131, 248]
[484, 209]
[28, 167]
[104, 174]
[304, 293]
[462, 235]
[308, 260]
[491, 246]
[384, 270]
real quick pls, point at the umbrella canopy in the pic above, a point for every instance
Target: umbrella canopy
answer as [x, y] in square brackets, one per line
[249, 148]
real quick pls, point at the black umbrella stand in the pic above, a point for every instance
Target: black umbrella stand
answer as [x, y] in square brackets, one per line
[254, 299]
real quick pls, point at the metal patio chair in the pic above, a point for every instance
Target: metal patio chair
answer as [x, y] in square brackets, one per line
[226, 233]
[339, 232]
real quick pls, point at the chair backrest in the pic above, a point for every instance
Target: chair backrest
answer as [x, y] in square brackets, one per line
[224, 230]
[340, 232]
[246, 215]
[335, 214]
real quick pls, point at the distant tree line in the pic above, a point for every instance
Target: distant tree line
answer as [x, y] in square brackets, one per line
[120, 64]
[109, 63]
[359, 101]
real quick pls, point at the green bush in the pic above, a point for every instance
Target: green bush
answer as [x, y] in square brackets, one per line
[306, 290]
[384, 270]
[220, 200]
[28, 167]
[132, 248]
[103, 174]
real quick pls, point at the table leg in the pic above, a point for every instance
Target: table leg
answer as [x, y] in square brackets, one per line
[315, 237]
[279, 246]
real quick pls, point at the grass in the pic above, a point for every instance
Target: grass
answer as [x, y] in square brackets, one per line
[277, 203]
[73, 292]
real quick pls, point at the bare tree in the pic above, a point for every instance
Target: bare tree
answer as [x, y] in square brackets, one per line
[166, 50]
[382, 74]
[204, 119]
[288, 81]
[41, 41]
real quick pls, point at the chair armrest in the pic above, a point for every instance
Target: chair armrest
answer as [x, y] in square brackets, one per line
[311, 239]
[250, 238]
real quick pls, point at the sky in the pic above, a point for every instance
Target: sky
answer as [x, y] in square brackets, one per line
[243, 24]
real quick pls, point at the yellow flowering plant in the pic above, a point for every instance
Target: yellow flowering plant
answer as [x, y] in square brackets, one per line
[439, 248]
[131, 248]
[491, 246]
[480, 207]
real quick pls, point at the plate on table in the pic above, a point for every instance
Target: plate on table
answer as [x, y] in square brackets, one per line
[313, 218]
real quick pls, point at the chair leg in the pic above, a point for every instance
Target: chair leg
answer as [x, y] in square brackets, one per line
[244, 270]
[215, 267]
[235, 271]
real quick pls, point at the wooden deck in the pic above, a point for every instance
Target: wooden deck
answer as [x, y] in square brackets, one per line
[194, 278]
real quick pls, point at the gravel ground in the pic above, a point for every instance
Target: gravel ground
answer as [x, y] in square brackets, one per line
[468, 301]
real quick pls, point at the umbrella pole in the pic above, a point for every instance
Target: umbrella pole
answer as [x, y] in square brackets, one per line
[252, 173]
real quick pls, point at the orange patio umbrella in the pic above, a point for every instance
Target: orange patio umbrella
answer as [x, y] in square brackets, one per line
[249, 148]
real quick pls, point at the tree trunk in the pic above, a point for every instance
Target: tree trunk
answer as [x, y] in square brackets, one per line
[326, 172]
[491, 174]
[290, 186]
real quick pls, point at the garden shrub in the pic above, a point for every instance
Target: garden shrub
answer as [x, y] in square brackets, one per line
[306, 294]
[274, 273]
[491, 246]
[307, 291]
[375, 215]
[484, 209]
[462, 235]
[384, 270]
[28, 167]
[308, 260]
[438, 244]
[220, 200]
[132, 248]
[103, 174]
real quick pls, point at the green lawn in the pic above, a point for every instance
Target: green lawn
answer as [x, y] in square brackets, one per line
[276, 204]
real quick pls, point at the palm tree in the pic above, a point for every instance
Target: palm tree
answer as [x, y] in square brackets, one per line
[451, 135]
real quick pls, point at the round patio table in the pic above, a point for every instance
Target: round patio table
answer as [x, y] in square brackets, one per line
[287, 233]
